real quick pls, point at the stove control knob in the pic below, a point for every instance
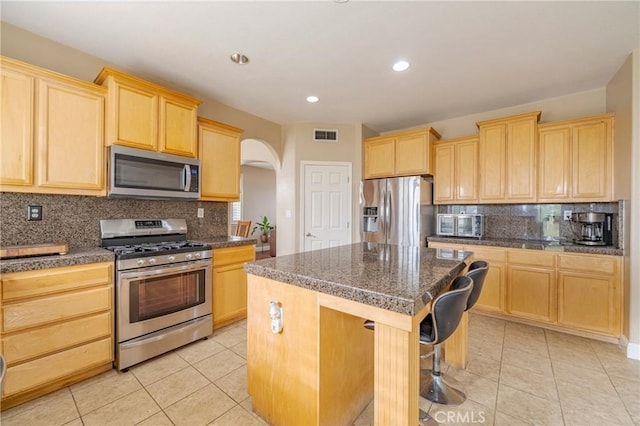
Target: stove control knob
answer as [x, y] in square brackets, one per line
[188, 256]
[198, 255]
[140, 262]
[152, 261]
[171, 258]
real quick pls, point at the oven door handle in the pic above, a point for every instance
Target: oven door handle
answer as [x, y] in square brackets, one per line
[165, 269]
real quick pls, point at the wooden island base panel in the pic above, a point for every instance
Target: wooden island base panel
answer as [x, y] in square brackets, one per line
[324, 367]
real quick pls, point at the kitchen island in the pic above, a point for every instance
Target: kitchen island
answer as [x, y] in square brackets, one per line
[324, 367]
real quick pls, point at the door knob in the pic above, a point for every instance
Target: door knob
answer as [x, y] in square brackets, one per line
[309, 234]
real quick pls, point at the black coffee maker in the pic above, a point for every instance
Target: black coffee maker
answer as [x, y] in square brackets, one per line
[593, 229]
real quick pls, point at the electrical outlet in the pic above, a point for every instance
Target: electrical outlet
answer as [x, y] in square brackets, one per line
[34, 213]
[200, 212]
[566, 215]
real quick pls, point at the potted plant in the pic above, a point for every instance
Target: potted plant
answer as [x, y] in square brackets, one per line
[264, 226]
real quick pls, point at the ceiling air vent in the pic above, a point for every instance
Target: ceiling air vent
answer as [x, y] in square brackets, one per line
[325, 135]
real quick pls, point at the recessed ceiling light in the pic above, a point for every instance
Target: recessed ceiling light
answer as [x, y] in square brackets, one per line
[401, 66]
[239, 58]
[312, 99]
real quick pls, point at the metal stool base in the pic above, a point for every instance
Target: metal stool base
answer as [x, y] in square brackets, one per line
[437, 389]
[426, 420]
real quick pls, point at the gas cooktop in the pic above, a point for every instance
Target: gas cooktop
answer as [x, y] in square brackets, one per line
[164, 247]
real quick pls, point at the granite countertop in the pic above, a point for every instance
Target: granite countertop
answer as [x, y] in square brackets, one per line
[396, 278]
[229, 241]
[559, 246]
[83, 255]
[75, 256]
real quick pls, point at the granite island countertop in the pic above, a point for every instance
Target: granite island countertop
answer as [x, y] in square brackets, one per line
[559, 246]
[396, 278]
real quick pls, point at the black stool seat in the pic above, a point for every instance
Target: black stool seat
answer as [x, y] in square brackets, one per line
[435, 328]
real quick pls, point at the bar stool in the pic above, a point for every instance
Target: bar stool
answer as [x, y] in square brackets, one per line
[438, 326]
[435, 386]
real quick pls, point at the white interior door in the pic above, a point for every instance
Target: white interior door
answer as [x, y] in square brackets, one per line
[327, 205]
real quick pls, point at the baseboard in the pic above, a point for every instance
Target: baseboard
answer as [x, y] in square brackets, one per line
[633, 349]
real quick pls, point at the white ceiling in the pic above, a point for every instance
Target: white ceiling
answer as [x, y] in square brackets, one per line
[466, 57]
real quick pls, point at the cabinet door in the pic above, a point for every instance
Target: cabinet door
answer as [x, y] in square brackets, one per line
[444, 179]
[590, 292]
[492, 155]
[230, 283]
[219, 154]
[554, 164]
[133, 116]
[492, 296]
[493, 290]
[379, 158]
[70, 141]
[466, 171]
[589, 302]
[229, 294]
[521, 160]
[532, 293]
[591, 158]
[178, 127]
[412, 155]
[16, 143]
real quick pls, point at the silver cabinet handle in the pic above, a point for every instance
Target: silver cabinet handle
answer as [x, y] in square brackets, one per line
[309, 234]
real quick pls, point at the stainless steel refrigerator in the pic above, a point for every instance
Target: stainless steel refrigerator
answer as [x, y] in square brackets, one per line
[397, 210]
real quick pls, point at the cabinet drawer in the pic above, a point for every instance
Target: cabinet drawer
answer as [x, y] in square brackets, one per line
[239, 254]
[487, 253]
[47, 281]
[20, 315]
[41, 341]
[43, 371]
[532, 258]
[591, 263]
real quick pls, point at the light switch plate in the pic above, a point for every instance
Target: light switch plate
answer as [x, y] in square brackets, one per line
[200, 212]
[566, 215]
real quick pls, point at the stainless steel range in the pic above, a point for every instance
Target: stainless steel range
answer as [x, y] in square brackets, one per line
[163, 292]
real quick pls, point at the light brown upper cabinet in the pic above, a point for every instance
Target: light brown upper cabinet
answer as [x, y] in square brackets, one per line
[52, 132]
[507, 159]
[405, 153]
[147, 116]
[576, 160]
[219, 155]
[456, 170]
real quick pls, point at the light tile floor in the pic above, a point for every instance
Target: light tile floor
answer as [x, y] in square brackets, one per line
[516, 375]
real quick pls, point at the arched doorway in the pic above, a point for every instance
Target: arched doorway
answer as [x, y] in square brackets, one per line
[259, 165]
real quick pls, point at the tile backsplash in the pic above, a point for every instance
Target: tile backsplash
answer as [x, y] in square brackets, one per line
[535, 221]
[74, 219]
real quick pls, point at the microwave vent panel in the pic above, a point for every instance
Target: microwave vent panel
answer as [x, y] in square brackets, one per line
[325, 135]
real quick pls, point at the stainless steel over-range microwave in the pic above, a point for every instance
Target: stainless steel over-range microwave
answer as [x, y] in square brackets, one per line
[460, 225]
[137, 173]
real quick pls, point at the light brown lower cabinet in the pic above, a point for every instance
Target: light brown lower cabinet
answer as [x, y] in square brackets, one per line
[575, 292]
[589, 293]
[531, 285]
[57, 328]
[230, 284]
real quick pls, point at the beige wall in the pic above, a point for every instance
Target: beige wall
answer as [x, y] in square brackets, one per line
[258, 195]
[553, 109]
[623, 98]
[300, 146]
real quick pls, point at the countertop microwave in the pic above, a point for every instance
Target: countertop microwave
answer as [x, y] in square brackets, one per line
[460, 225]
[138, 173]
